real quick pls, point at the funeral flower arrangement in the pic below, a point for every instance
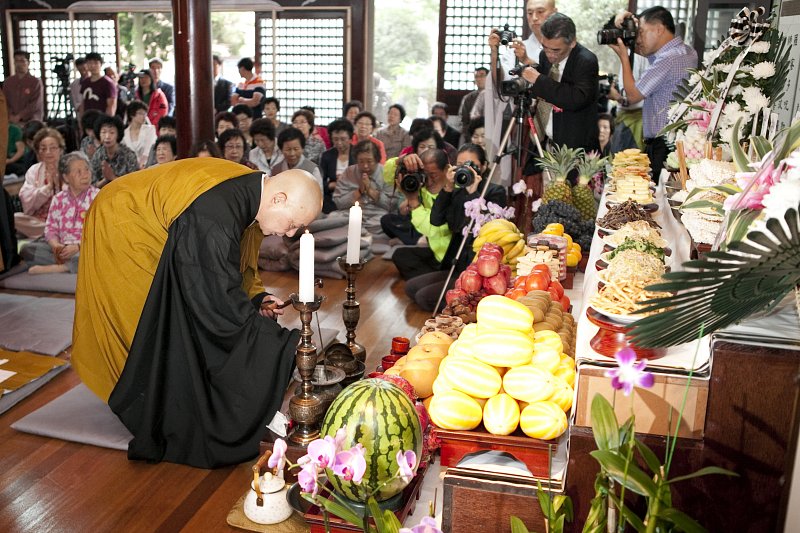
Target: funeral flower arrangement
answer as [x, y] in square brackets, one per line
[739, 82]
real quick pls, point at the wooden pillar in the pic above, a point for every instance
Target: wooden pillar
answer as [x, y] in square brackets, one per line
[194, 79]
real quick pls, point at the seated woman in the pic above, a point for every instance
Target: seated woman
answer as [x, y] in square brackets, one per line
[42, 182]
[265, 153]
[364, 183]
[448, 208]
[139, 135]
[90, 142]
[476, 132]
[225, 120]
[60, 248]
[166, 149]
[291, 143]
[333, 162]
[112, 159]
[303, 120]
[16, 151]
[233, 146]
[365, 126]
[205, 149]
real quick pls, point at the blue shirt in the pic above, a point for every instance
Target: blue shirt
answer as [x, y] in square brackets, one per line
[668, 67]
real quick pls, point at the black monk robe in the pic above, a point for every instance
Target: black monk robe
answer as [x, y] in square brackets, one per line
[205, 372]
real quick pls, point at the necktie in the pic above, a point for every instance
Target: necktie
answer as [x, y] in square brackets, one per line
[543, 109]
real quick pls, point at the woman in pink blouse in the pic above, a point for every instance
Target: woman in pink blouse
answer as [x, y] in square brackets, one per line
[42, 182]
[58, 251]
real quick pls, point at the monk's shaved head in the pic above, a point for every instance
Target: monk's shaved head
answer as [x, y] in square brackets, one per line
[290, 200]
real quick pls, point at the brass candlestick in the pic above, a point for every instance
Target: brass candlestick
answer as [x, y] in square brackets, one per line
[306, 408]
[351, 309]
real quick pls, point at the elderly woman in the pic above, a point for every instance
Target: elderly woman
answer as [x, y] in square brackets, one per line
[303, 120]
[291, 143]
[112, 159]
[139, 135]
[58, 251]
[166, 149]
[365, 125]
[233, 146]
[42, 182]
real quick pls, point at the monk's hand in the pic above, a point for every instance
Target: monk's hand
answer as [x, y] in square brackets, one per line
[271, 307]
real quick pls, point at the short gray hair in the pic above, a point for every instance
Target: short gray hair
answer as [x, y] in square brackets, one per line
[559, 25]
[67, 160]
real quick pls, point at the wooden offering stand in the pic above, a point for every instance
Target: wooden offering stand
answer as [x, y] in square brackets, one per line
[611, 337]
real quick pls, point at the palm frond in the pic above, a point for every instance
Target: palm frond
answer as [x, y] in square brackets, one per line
[725, 287]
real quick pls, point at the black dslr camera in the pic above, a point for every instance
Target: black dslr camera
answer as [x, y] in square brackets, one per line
[515, 86]
[409, 181]
[128, 78]
[464, 176]
[610, 33]
[506, 35]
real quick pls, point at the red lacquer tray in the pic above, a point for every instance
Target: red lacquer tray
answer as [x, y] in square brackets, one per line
[611, 337]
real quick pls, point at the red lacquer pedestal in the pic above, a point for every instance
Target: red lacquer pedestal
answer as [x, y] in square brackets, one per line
[612, 337]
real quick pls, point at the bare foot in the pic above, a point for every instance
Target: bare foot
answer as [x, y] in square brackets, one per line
[47, 269]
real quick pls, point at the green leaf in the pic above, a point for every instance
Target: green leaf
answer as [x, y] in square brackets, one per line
[739, 157]
[517, 525]
[337, 509]
[703, 204]
[650, 458]
[629, 516]
[627, 433]
[604, 424]
[393, 525]
[563, 504]
[705, 472]
[761, 145]
[634, 479]
[544, 501]
[377, 514]
[681, 520]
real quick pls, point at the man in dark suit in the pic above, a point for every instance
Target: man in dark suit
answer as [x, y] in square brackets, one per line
[222, 88]
[566, 84]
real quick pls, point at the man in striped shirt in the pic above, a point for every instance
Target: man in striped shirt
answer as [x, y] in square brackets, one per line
[668, 60]
[251, 90]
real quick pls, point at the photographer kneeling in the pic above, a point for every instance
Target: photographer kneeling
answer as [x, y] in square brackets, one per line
[669, 58]
[420, 178]
[463, 183]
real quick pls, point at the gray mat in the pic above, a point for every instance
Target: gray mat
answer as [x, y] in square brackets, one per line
[77, 416]
[61, 282]
[41, 325]
[13, 271]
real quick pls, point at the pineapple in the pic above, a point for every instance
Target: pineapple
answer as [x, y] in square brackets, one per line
[582, 195]
[559, 163]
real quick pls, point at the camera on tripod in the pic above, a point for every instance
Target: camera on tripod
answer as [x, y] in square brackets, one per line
[506, 35]
[605, 84]
[464, 176]
[515, 86]
[610, 33]
[410, 182]
[128, 78]
[62, 68]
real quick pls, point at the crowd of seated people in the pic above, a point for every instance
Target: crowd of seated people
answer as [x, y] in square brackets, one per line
[355, 158]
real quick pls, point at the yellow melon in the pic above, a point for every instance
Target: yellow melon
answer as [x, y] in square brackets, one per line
[546, 358]
[566, 360]
[499, 312]
[441, 385]
[550, 339]
[566, 373]
[528, 383]
[501, 415]
[543, 420]
[472, 377]
[563, 394]
[507, 348]
[468, 333]
[455, 410]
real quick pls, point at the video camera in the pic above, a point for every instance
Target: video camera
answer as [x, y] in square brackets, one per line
[62, 68]
[610, 33]
[506, 35]
[410, 182]
[515, 86]
[606, 83]
[464, 176]
[128, 78]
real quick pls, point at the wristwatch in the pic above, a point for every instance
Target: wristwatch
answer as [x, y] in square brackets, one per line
[623, 100]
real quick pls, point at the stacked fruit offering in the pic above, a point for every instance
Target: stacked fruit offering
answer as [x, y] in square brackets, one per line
[420, 365]
[504, 373]
[487, 275]
[504, 234]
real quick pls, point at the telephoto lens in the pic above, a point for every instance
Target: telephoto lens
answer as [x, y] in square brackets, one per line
[412, 182]
[464, 177]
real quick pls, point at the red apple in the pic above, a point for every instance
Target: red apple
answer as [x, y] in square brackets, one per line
[471, 281]
[505, 270]
[472, 267]
[457, 285]
[495, 285]
[488, 265]
[492, 248]
[453, 294]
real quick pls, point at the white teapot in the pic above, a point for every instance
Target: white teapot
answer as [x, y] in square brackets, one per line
[266, 501]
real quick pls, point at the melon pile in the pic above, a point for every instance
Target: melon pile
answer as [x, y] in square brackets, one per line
[504, 373]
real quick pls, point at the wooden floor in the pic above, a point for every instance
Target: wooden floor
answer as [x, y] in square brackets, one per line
[52, 485]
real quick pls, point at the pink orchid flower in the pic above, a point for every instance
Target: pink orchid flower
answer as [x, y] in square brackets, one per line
[278, 457]
[406, 461]
[629, 373]
[307, 478]
[426, 525]
[321, 452]
[350, 465]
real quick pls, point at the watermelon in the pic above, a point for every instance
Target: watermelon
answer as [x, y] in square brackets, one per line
[380, 416]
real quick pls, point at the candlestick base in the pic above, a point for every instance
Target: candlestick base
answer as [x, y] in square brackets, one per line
[351, 309]
[306, 408]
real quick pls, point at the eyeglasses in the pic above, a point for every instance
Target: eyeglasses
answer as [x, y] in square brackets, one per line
[237, 146]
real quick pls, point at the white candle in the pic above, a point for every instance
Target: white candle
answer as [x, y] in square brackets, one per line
[306, 290]
[354, 235]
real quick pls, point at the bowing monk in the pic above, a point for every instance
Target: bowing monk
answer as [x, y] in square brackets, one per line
[169, 324]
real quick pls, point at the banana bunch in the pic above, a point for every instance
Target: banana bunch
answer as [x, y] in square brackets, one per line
[506, 235]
